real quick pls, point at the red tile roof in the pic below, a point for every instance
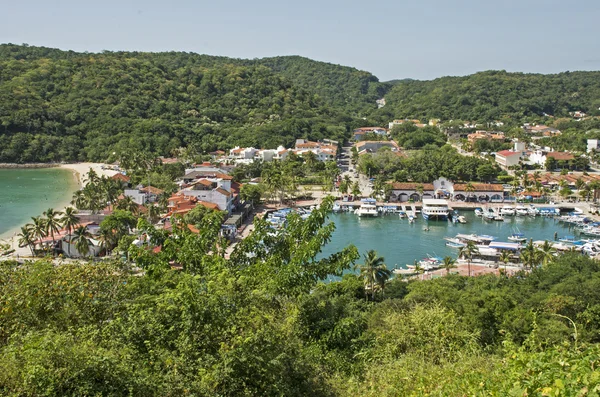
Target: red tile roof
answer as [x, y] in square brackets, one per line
[508, 153]
[480, 187]
[223, 191]
[411, 186]
[152, 190]
[560, 156]
[121, 177]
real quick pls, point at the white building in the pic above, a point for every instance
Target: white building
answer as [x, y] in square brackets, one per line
[507, 158]
[592, 144]
[142, 195]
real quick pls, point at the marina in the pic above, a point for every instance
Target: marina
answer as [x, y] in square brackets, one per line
[402, 242]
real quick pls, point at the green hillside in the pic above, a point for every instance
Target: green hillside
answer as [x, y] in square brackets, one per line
[494, 95]
[63, 105]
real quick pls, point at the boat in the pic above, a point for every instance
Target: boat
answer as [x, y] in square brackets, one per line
[517, 237]
[435, 209]
[430, 263]
[336, 207]
[521, 211]
[474, 238]
[489, 214]
[499, 217]
[368, 208]
[411, 219]
[532, 211]
[507, 210]
[402, 214]
[461, 219]
[478, 212]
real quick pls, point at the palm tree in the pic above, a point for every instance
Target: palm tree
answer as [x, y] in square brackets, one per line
[449, 263]
[374, 271]
[69, 220]
[418, 268]
[469, 189]
[355, 190]
[467, 251]
[82, 240]
[53, 223]
[153, 212]
[530, 255]
[419, 189]
[127, 204]
[38, 229]
[79, 200]
[546, 252]
[26, 238]
[505, 258]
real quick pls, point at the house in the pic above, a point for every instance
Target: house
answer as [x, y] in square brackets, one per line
[322, 151]
[180, 204]
[541, 129]
[540, 157]
[238, 153]
[508, 158]
[359, 133]
[142, 195]
[578, 114]
[122, 178]
[492, 135]
[394, 123]
[373, 146]
[592, 145]
[211, 187]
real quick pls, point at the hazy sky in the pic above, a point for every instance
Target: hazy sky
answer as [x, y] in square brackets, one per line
[390, 38]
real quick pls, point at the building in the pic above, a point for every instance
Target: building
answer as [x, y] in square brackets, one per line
[143, 195]
[360, 133]
[180, 204]
[592, 145]
[540, 156]
[541, 129]
[443, 188]
[373, 146]
[323, 151]
[508, 158]
[394, 123]
[491, 135]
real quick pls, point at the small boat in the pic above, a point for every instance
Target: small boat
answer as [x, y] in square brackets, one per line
[411, 219]
[489, 214]
[336, 207]
[517, 237]
[499, 217]
[507, 210]
[521, 211]
[532, 211]
[402, 214]
[478, 212]
[461, 219]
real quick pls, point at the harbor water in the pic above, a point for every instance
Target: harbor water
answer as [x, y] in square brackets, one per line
[401, 242]
[29, 192]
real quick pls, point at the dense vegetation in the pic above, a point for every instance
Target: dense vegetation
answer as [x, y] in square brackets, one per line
[58, 105]
[494, 95]
[261, 323]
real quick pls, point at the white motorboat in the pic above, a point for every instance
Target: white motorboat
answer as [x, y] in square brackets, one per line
[462, 219]
[336, 207]
[507, 210]
[478, 212]
[368, 208]
[517, 238]
[521, 211]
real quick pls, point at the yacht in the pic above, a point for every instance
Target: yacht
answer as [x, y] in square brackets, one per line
[478, 212]
[368, 208]
[435, 209]
[521, 211]
[488, 214]
[532, 211]
[517, 238]
[507, 210]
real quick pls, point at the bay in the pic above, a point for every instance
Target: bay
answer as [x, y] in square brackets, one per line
[400, 242]
[29, 192]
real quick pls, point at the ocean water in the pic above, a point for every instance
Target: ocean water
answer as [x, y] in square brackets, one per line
[400, 242]
[29, 192]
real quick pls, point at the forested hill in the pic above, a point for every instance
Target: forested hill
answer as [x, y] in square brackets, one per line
[494, 95]
[64, 105]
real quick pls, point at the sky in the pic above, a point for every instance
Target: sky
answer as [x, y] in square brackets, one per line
[393, 39]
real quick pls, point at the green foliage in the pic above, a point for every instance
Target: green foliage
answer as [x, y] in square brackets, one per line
[494, 95]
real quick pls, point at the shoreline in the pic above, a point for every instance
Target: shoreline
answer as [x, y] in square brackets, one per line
[78, 170]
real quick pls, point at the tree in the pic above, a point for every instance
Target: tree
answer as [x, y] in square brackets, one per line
[52, 223]
[69, 220]
[26, 238]
[82, 237]
[546, 253]
[486, 172]
[469, 189]
[467, 252]
[355, 190]
[530, 256]
[38, 228]
[374, 271]
[128, 204]
[448, 264]
[505, 257]
[251, 193]
[550, 163]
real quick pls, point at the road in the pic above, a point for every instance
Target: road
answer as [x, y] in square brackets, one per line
[349, 170]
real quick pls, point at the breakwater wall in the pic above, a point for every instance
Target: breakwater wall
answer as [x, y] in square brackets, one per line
[28, 165]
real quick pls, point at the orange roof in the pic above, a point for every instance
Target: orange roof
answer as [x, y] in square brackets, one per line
[560, 156]
[411, 186]
[480, 187]
[223, 176]
[507, 153]
[223, 191]
[208, 205]
[152, 189]
[238, 150]
[204, 182]
[121, 177]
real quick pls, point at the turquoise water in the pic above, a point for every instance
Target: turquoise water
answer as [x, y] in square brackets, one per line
[400, 243]
[29, 192]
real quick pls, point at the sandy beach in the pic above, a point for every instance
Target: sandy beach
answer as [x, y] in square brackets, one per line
[80, 171]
